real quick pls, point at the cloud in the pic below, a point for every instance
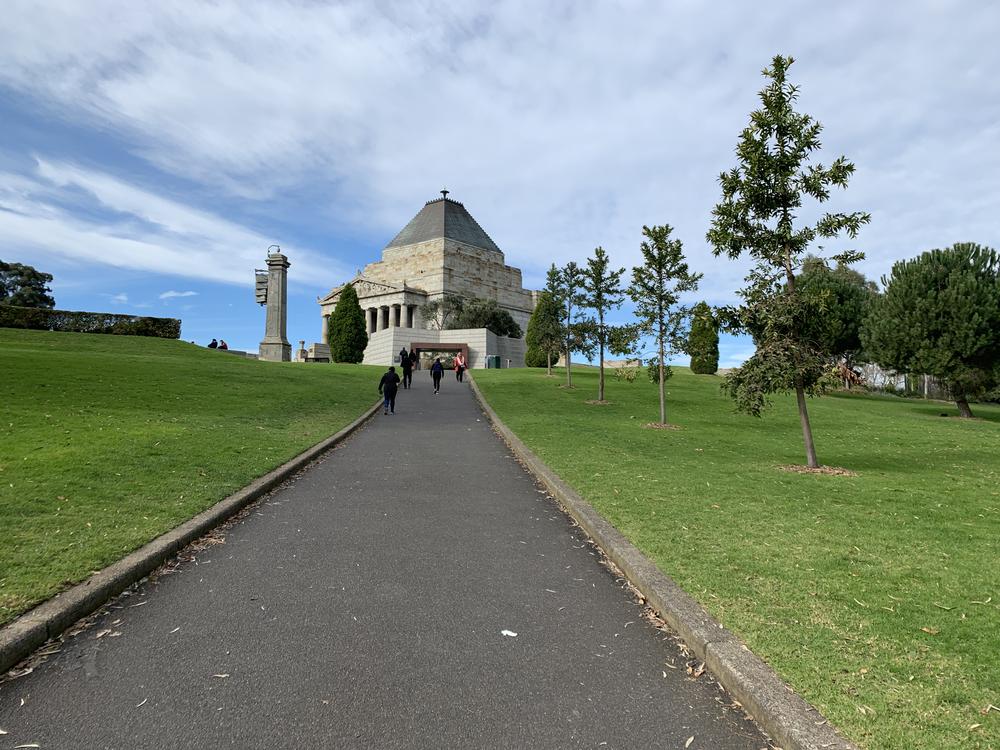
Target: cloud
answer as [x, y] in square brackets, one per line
[91, 216]
[120, 299]
[170, 294]
[561, 126]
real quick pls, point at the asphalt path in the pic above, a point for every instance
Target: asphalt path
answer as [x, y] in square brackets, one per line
[413, 589]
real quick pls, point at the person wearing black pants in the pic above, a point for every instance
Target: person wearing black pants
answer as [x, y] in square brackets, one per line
[387, 386]
[407, 364]
[437, 370]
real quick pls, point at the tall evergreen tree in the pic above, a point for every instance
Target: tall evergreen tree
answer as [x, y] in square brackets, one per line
[761, 197]
[703, 340]
[656, 289]
[602, 293]
[940, 316]
[24, 286]
[346, 330]
[544, 337]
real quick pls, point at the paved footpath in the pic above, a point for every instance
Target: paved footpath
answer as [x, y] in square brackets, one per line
[364, 606]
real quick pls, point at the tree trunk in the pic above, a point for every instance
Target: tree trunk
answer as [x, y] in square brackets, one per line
[600, 376]
[569, 369]
[548, 363]
[663, 403]
[963, 407]
[807, 434]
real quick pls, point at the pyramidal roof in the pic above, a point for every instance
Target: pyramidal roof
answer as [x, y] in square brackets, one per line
[444, 218]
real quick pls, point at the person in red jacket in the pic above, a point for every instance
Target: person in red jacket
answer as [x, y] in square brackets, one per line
[459, 366]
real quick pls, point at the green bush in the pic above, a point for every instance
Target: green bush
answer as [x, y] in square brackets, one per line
[536, 357]
[653, 371]
[703, 341]
[42, 319]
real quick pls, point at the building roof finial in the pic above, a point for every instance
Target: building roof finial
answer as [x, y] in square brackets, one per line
[444, 193]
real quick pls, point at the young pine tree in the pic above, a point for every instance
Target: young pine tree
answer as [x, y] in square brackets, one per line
[346, 330]
[570, 281]
[761, 197]
[656, 289]
[603, 293]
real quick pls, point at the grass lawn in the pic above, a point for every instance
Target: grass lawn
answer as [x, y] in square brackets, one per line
[877, 597]
[108, 441]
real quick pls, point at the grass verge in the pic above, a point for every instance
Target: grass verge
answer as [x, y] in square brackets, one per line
[109, 441]
[875, 596]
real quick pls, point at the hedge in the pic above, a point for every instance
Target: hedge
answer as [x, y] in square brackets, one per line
[41, 319]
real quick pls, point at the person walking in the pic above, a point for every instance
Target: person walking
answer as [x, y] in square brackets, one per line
[459, 367]
[387, 387]
[407, 365]
[437, 370]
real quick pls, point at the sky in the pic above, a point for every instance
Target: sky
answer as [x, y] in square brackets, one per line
[150, 152]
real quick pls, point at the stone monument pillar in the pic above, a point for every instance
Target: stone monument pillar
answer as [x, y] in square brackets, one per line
[275, 346]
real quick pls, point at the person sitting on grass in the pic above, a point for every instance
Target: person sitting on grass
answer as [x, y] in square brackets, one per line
[387, 386]
[213, 344]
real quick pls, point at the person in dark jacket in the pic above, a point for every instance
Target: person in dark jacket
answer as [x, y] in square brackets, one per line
[214, 344]
[387, 386]
[407, 365]
[437, 370]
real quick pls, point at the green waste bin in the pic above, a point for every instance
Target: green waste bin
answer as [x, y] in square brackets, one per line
[493, 361]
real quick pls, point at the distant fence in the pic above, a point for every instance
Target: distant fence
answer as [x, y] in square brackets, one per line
[40, 319]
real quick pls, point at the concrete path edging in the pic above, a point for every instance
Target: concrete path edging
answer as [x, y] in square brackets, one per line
[782, 713]
[19, 638]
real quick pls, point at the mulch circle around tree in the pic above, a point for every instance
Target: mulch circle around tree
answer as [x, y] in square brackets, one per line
[835, 471]
[661, 426]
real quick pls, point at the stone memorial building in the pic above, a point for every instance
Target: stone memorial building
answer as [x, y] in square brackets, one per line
[442, 251]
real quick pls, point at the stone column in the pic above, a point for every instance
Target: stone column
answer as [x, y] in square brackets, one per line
[397, 315]
[409, 316]
[326, 329]
[275, 347]
[383, 317]
[370, 320]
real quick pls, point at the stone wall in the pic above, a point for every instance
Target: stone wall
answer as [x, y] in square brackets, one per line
[383, 346]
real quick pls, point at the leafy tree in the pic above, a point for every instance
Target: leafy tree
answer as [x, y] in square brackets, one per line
[346, 329]
[567, 287]
[602, 293]
[703, 340]
[761, 198]
[544, 336]
[844, 294]
[940, 316]
[440, 313]
[23, 286]
[656, 289]
[486, 313]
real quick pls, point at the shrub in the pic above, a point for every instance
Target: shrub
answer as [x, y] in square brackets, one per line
[42, 319]
[653, 371]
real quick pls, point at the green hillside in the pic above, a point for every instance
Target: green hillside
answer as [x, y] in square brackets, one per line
[876, 596]
[108, 441]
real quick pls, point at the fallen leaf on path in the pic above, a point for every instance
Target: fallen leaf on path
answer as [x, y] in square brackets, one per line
[173, 631]
[221, 676]
[30, 744]
[696, 670]
[102, 633]
[138, 705]
[510, 633]
[690, 740]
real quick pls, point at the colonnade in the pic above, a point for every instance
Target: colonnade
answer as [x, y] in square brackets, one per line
[385, 316]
